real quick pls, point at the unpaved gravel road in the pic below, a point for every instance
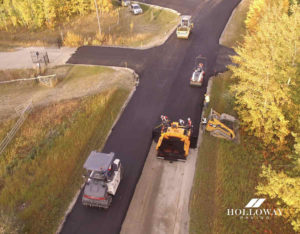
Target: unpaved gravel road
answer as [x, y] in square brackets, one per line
[21, 57]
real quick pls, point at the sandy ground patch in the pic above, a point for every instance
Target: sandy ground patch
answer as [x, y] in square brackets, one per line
[21, 57]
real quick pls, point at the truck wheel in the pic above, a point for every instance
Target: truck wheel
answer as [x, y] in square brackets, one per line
[156, 134]
[194, 140]
[109, 200]
[122, 173]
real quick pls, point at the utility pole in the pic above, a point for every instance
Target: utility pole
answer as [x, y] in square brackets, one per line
[98, 17]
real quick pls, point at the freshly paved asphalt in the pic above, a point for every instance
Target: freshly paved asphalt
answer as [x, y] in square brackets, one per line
[163, 89]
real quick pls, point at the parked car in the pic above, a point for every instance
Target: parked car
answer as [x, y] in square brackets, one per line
[135, 9]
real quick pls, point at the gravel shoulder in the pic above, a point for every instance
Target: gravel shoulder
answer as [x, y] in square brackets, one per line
[161, 199]
[235, 28]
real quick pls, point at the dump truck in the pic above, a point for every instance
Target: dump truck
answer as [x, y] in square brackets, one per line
[221, 125]
[199, 71]
[185, 27]
[175, 138]
[103, 175]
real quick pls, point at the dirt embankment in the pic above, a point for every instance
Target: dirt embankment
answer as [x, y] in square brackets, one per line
[76, 82]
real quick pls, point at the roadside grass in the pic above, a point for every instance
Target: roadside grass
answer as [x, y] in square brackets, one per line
[80, 71]
[226, 173]
[41, 168]
[121, 29]
[5, 127]
[14, 74]
[74, 81]
[142, 29]
[85, 71]
[236, 28]
[65, 71]
[60, 71]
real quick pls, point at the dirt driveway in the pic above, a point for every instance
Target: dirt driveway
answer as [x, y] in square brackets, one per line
[21, 58]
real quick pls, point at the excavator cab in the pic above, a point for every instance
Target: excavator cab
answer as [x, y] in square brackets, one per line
[221, 125]
[174, 141]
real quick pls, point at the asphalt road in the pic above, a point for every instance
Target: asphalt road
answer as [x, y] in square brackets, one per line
[163, 89]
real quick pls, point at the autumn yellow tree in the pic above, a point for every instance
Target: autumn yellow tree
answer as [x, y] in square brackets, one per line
[258, 8]
[265, 74]
[49, 13]
[286, 190]
[268, 96]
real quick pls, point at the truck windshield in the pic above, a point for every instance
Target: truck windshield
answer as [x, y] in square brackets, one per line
[185, 22]
[97, 175]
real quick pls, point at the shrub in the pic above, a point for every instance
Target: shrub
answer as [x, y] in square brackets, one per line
[73, 40]
[9, 223]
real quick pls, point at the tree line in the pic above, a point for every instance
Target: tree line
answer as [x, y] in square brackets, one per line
[267, 97]
[35, 14]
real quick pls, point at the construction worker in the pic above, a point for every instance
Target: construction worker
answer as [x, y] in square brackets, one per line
[164, 118]
[206, 100]
[189, 122]
[200, 67]
[109, 173]
[203, 122]
[181, 122]
[165, 122]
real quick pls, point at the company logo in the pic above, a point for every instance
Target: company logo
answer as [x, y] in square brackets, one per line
[253, 210]
[255, 202]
